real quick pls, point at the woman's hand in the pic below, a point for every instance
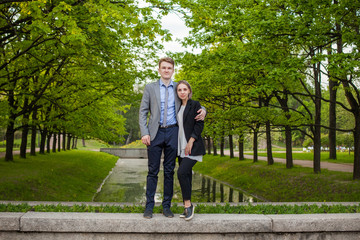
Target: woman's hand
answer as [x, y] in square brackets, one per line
[189, 146]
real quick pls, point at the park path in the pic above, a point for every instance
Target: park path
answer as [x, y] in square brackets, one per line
[16, 152]
[341, 167]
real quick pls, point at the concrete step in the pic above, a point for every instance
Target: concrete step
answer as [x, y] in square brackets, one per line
[59, 225]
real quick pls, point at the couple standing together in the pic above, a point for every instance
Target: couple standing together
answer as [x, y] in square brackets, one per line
[175, 126]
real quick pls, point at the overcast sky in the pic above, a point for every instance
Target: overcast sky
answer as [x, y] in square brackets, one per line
[176, 25]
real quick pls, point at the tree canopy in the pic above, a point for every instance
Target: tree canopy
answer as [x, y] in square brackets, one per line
[276, 62]
[71, 65]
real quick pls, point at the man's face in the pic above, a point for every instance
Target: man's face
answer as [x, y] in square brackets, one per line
[166, 70]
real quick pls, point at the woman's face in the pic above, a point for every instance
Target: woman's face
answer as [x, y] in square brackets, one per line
[183, 91]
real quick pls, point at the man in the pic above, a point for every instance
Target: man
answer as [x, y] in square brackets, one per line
[161, 133]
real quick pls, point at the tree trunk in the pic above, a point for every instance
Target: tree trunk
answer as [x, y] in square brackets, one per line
[317, 149]
[222, 145]
[332, 115]
[356, 134]
[24, 136]
[208, 145]
[255, 142]
[43, 135]
[317, 131]
[75, 143]
[288, 138]
[33, 133]
[241, 147]
[59, 141]
[231, 146]
[270, 158]
[288, 144]
[68, 141]
[128, 139]
[33, 141]
[64, 141]
[10, 131]
[353, 102]
[48, 142]
[54, 142]
[83, 142]
[214, 147]
[356, 112]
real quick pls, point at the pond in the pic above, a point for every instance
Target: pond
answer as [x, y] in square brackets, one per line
[127, 183]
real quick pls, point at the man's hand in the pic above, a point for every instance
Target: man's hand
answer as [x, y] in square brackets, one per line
[146, 140]
[201, 115]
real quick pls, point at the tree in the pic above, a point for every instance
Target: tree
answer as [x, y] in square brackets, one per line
[52, 49]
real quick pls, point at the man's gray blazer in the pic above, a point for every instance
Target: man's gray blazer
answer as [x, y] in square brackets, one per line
[151, 103]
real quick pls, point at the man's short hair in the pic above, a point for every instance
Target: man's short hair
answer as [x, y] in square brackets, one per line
[167, 59]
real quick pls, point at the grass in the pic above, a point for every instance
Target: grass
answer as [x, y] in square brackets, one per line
[135, 144]
[200, 208]
[278, 184]
[342, 157]
[63, 176]
[92, 144]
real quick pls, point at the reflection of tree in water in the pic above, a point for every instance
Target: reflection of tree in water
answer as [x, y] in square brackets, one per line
[214, 192]
[207, 190]
[130, 192]
[221, 192]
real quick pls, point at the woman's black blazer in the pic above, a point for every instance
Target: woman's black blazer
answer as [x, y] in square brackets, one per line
[193, 128]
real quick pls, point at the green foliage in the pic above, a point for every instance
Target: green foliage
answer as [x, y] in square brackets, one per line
[345, 139]
[260, 62]
[135, 144]
[74, 64]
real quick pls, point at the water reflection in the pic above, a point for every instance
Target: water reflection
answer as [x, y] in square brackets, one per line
[206, 189]
[127, 183]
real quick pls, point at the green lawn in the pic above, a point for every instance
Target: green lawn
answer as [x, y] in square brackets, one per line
[63, 176]
[135, 144]
[278, 184]
[92, 144]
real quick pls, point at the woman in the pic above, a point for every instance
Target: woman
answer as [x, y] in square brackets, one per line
[190, 144]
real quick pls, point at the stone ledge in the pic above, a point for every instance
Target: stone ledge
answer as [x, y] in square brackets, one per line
[10, 221]
[334, 222]
[201, 224]
[135, 223]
